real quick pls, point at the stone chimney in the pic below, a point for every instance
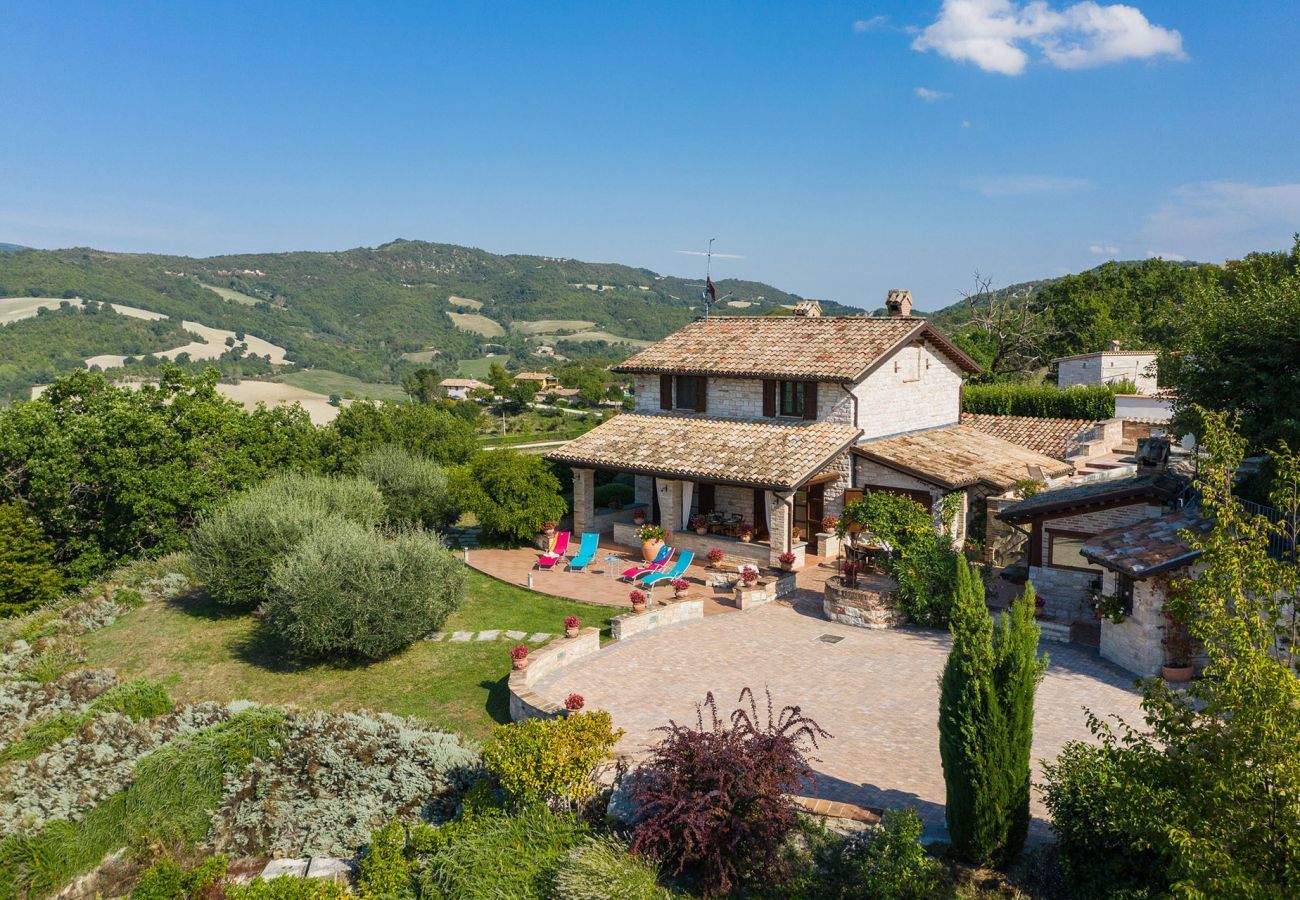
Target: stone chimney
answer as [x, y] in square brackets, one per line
[898, 302]
[1152, 455]
[809, 309]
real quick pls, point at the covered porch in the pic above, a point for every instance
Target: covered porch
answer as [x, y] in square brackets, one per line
[776, 479]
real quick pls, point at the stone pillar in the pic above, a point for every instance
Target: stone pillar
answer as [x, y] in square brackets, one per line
[670, 505]
[584, 500]
[778, 526]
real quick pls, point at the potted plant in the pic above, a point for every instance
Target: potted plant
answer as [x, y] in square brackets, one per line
[652, 539]
[786, 560]
[748, 575]
[829, 524]
[519, 656]
[699, 524]
[638, 598]
[1178, 651]
[680, 587]
[796, 533]
[715, 557]
[850, 574]
[571, 626]
[748, 591]
[638, 515]
[574, 702]
[746, 532]
[548, 528]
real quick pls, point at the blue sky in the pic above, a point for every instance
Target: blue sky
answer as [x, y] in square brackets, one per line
[841, 149]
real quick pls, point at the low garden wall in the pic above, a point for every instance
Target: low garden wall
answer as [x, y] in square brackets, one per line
[629, 624]
[869, 605]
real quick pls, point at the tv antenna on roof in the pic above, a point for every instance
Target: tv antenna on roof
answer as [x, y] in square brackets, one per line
[710, 294]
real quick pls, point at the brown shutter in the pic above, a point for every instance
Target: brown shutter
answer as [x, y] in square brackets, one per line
[701, 400]
[665, 392]
[810, 400]
[769, 397]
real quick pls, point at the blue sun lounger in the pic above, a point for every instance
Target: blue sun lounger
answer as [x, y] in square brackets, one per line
[683, 562]
[586, 552]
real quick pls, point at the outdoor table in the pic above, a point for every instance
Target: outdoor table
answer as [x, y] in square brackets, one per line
[611, 565]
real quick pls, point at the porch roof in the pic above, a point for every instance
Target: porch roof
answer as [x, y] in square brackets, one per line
[776, 456]
[1158, 488]
[1149, 547]
[958, 456]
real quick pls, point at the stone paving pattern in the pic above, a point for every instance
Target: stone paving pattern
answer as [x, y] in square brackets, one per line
[876, 691]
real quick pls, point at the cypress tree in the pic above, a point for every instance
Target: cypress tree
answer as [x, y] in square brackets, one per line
[972, 729]
[1017, 672]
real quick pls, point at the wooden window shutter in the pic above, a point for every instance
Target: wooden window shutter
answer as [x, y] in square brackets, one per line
[769, 397]
[701, 391]
[665, 392]
[810, 400]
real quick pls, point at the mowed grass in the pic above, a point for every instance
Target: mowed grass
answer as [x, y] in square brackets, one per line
[478, 368]
[233, 295]
[200, 651]
[324, 381]
[477, 323]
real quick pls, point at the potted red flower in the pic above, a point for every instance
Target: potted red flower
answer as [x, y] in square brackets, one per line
[574, 702]
[638, 515]
[786, 560]
[830, 523]
[571, 626]
[1179, 648]
[680, 587]
[549, 527]
[519, 656]
[699, 524]
[638, 598]
[746, 532]
[715, 557]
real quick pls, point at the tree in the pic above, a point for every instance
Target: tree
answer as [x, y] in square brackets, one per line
[1005, 334]
[512, 494]
[422, 429]
[424, 386]
[28, 578]
[1240, 350]
[972, 731]
[1208, 787]
[415, 489]
[499, 378]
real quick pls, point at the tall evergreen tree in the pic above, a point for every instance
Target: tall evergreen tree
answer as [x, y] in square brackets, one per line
[972, 730]
[1017, 673]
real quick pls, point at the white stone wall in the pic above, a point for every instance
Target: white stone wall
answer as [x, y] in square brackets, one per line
[1136, 643]
[917, 387]
[1068, 592]
[1104, 368]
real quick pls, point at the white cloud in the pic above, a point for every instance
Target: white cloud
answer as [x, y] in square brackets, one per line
[1024, 185]
[930, 96]
[965, 123]
[1103, 249]
[994, 34]
[1221, 219]
[864, 25]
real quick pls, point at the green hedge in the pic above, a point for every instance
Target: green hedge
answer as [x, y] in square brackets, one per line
[1042, 400]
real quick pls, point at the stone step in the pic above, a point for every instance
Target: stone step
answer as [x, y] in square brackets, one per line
[1053, 630]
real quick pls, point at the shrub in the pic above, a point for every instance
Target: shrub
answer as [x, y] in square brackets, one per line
[166, 880]
[614, 492]
[601, 867]
[347, 591]
[387, 870]
[493, 855]
[288, 888]
[415, 489]
[552, 761]
[717, 800]
[28, 577]
[140, 699]
[236, 546]
[1042, 400]
[886, 862]
[512, 494]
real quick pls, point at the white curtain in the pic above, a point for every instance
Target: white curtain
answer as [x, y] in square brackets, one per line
[688, 488]
[767, 506]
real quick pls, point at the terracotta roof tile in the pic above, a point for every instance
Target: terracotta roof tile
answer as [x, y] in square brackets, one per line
[1053, 437]
[959, 456]
[773, 455]
[830, 348]
[1147, 548]
[1157, 488]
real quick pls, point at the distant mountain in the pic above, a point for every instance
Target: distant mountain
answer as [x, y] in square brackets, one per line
[358, 311]
[11, 248]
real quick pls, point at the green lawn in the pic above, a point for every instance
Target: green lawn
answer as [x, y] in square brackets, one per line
[478, 368]
[201, 652]
[236, 296]
[323, 381]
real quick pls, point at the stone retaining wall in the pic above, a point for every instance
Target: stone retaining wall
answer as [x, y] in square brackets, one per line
[870, 605]
[629, 624]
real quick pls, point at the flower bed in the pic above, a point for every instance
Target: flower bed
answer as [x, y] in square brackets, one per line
[869, 605]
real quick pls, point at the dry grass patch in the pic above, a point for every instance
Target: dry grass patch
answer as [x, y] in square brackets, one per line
[478, 324]
[465, 301]
[550, 326]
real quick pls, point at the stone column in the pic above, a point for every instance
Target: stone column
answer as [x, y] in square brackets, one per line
[584, 500]
[778, 528]
[670, 505]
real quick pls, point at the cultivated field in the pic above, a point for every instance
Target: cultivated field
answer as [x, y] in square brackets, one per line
[465, 301]
[251, 393]
[478, 368]
[211, 343]
[421, 356]
[14, 308]
[234, 296]
[478, 324]
[324, 381]
[550, 326]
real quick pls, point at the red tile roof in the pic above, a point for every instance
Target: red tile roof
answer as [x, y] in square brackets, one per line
[1054, 437]
[959, 456]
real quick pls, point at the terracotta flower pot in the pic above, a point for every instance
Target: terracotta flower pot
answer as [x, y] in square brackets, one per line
[650, 549]
[746, 538]
[571, 632]
[519, 664]
[638, 608]
[1176, 674]
[701, 531]
[680, 594]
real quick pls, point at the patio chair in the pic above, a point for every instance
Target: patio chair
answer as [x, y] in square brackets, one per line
[586, 551]
[683, 563]
[661, 559]
[556, 553]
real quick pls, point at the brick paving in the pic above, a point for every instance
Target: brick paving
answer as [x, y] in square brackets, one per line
[875, 691]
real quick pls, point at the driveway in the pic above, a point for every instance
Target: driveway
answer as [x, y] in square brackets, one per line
[876, 692]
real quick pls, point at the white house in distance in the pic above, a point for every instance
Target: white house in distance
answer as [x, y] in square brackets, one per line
[777, 420]
[461, 388]
[1108, 367]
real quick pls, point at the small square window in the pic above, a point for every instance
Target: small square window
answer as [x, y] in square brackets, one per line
[792, 398]
[687, 388]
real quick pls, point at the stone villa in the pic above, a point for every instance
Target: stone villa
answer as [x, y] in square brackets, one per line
[779, 420]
